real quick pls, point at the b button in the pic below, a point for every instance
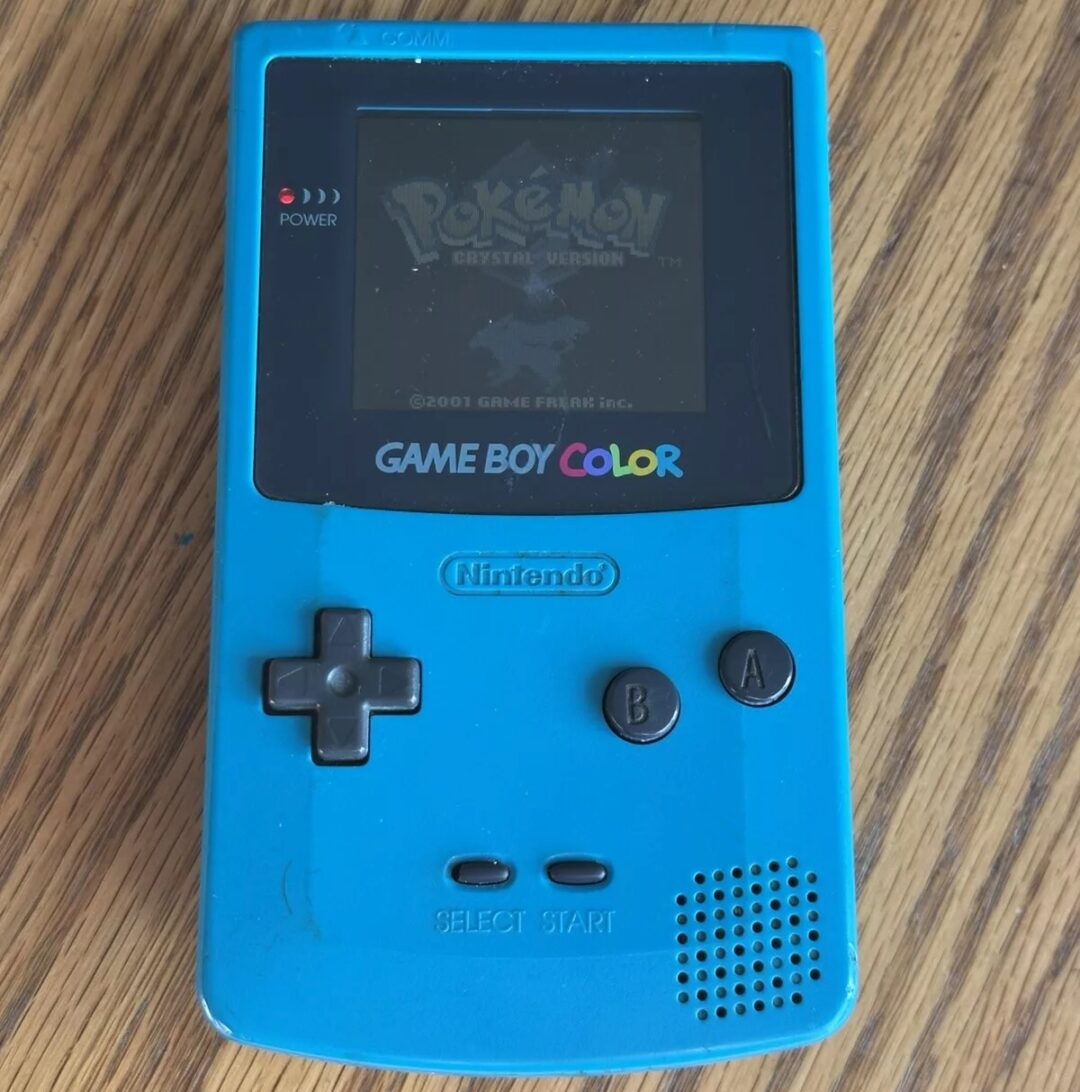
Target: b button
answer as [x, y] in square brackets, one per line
[641, 705]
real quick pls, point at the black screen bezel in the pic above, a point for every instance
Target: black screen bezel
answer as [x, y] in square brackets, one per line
[311, 444]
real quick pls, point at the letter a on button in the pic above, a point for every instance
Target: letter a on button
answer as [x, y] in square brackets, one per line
[752, 671]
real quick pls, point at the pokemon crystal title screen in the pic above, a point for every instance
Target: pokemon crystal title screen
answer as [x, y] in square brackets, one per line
[519, 262]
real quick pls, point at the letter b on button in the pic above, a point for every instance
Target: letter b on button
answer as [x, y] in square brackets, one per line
[637, 712]
[641, 705]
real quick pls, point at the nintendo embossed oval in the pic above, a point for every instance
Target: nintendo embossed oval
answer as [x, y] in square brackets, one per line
[480, 573]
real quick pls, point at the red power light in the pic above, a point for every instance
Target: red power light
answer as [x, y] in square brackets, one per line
[286, 195]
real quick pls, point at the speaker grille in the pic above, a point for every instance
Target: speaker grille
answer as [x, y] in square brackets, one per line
[746, 939]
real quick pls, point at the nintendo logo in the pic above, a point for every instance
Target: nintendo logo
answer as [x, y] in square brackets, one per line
[528, 574]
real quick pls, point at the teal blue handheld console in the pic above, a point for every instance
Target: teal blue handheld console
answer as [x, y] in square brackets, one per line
[527, 732]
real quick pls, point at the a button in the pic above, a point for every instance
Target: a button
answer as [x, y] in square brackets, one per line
[577, 873]
[641, 705]
[756, 668]
[342, 686]
[480, 872]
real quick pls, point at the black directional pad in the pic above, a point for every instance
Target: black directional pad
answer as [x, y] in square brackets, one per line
[342, 685]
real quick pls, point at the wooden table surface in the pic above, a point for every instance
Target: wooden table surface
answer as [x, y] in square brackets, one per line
[955, 131]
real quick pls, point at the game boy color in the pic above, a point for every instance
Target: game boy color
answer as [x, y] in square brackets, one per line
[527, 736]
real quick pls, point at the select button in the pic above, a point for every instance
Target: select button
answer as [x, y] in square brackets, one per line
[480, 872]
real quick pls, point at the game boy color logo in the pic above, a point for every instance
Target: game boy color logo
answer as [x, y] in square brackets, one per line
[575, 460]
[520, 202]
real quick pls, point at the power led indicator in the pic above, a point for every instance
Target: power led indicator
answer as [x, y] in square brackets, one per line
[286, 196]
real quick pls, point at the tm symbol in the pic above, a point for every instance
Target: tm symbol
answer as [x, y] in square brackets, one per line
[669, 262]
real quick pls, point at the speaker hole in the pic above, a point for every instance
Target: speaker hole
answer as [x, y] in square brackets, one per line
[721, 1012]
[747, 934]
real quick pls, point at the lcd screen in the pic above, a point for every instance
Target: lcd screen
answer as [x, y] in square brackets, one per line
[512, 262]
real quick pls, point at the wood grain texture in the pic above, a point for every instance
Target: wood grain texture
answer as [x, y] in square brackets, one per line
[956, 174]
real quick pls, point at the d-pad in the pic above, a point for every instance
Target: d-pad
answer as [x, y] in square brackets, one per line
[342, 686]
